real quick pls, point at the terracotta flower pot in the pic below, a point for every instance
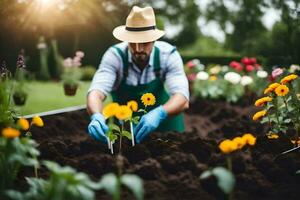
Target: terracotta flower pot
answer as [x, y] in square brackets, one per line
[19, 99]
[70, 90]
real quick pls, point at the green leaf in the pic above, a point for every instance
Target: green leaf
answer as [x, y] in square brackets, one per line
[142, 110]
[126, 134]
[135, 184]
[225, 178]
[116, 128]
[109, 183]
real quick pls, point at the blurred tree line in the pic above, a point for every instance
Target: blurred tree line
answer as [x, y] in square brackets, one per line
[72, 25]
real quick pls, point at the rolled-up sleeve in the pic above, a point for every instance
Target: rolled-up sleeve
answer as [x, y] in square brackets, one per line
[176, 80]
[106, 74]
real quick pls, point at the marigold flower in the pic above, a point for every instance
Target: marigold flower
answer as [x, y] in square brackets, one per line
[240, 142]
[213, 78]
[259, 115]
[228, 146]
[288, 78]
[148, 99]
[123, 112]
[133, 105]
[282, 90]
[271, 88]
[262, 101]
[23, 123]
[37, 120]
[249, 139]
[10, 132]
[110, 110]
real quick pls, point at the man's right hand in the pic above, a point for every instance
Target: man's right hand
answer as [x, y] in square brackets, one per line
[97, 128]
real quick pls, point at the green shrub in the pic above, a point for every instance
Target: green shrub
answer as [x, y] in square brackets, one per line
[87, 72]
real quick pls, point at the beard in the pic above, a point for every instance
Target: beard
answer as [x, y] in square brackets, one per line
[140, 58]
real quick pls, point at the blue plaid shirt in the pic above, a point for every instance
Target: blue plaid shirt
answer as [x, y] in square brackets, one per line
[110, 72]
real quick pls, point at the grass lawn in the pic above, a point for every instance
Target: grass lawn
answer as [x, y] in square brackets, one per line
[45, 96]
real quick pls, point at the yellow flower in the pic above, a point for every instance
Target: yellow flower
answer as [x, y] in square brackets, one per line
[294, 141]
[272, 136]
[23, 123]
[249, 139]
[148, 99]
[282, 90]
[262, 101]
[10, 132]
[37, 120]
[228, 146]
[213, 78]
[110, 110]
[271, 88]
[133, 105]
[288, 78]
[259, 115]
[123, 112]
[240, 142]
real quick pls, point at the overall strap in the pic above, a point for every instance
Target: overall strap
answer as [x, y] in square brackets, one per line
[124, 56]
[156, 62]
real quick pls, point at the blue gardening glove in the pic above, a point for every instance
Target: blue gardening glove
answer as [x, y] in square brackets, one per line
[97, 127]
[149, 122]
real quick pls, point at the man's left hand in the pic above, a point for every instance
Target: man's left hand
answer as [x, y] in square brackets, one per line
[149, 122]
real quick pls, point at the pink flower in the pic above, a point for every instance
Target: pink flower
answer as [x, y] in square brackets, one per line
[276, 72]
[79, 54]
[249, 68]
[76, 59]
[68, 62]
[190, 64]
[246, 61]
[236, 65]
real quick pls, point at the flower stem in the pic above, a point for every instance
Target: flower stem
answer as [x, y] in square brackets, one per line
[229, 163]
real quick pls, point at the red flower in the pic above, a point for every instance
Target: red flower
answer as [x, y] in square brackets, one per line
[190, 64]
[253, 61]
[191, 77]
[250, 68]
[246, 61]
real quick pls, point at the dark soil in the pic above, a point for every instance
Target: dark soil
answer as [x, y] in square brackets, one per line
[170, 163]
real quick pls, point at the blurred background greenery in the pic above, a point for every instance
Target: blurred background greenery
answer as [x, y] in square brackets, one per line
[50, 30]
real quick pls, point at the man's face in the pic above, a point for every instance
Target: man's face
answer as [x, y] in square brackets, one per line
[141, 51]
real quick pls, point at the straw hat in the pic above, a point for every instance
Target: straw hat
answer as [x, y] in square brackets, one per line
[140, 27]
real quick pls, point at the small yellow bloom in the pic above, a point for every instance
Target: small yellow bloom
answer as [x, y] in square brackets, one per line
[288, 78]
[249, 139]
[213, 78]
[271, 88]
[228, 146]
[282, 90]
[123, 112]
[240, 142]
[37, 120]
[10, 132]
[259, 115]
[133, 105]
[262, 101]
[148, 99]
[272, 136]
[110, 110]
[23, 123]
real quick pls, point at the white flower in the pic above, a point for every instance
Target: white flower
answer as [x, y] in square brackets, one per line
[246, 80]
[215, 70]
[232, 77]
[200, 67]
[68, 62]
[196, 61]
[262, 74]
[202, 75]
[294, 68]
[79, 54]
[41, 45]
[225, 68]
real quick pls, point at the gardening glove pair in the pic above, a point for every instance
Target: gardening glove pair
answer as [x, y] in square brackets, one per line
[149, 122]
[98, 128]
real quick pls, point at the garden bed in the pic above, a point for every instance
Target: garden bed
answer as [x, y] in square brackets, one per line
[170, 164]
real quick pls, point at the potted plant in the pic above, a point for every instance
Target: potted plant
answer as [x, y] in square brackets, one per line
[72, 74]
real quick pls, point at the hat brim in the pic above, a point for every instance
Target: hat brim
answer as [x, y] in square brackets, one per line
[122, 34]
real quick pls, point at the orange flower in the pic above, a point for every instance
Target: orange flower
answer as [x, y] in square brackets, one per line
[123, 113]
[282, 90]
[23, 123]
[37, 120]
[133, 105]
[271, 88]
[110, 110]
[259, 115]
[10, 132]
[288, 78]
[249, 139]
[228, 146]
[240, 142]
[262, 101]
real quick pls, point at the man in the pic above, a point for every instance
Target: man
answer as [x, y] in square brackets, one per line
[140, 65]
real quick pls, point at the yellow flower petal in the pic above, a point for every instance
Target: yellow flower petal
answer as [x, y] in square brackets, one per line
[282, 90]
[110, 110]
[259, 115]
[228, 146]
[271, 88]
[123, 112]
[240, 142]
[262, 101]
[133, 105]
[148, 99]
[249, 139]
[288, 78]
